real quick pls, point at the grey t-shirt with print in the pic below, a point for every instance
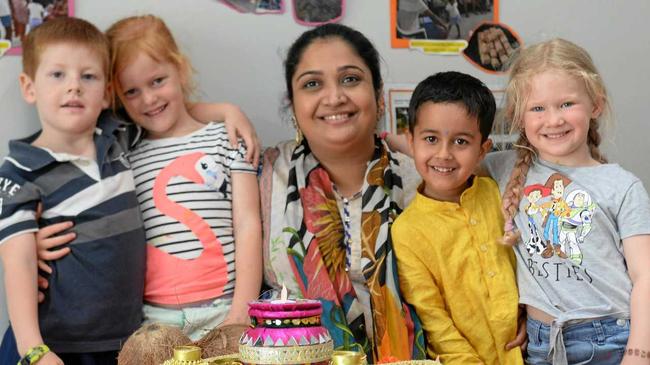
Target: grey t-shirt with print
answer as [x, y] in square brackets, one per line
[570, 259]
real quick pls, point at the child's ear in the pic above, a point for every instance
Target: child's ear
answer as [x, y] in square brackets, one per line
[599, 105]
[485, 148]
[108, 96]
[27, 88]
[410, 138]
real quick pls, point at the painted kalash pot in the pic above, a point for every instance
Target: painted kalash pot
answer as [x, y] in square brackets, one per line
[285, 332]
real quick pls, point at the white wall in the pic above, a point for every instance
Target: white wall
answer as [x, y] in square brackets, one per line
[238, 58]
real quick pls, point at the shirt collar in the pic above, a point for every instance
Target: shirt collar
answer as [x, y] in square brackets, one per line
[31, 158]
[465, 198]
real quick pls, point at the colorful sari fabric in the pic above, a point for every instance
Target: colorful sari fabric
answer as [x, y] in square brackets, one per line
[306, 224]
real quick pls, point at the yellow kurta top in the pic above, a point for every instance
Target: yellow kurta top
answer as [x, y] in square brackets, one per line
[460, 280]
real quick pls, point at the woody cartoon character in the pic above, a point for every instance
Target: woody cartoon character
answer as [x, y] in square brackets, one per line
[557, 209]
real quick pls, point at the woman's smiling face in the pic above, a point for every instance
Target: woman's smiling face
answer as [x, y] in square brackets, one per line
[334, 100]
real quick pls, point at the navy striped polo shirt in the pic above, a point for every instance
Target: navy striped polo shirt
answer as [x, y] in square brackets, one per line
[94, 300]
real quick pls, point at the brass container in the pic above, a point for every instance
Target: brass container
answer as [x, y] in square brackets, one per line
[348, 358]
[185, 355]
[191, 355]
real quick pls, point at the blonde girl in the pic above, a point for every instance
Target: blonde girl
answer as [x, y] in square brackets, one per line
[198, 196]
[583, 253]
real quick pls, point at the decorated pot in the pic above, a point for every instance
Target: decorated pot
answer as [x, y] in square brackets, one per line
[285, 332]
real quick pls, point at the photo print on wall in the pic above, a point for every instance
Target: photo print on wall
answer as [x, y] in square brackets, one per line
[317, 12]
[491, 46]
[256, 6]
[19, 17]
[438, 26]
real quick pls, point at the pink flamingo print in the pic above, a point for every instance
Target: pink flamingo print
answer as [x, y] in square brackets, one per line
[173, 280]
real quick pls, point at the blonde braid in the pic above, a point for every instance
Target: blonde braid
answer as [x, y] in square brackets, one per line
[593, 141]
[512, 192]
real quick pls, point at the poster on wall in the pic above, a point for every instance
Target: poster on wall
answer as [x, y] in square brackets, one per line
[398, 97]
[491, 46]
[19, 17]
[270, 7]
[317, 12]
[242, 6]
[5, 45]
[438, 26]
[256, 6]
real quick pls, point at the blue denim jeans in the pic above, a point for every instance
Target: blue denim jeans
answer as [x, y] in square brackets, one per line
[599, 342]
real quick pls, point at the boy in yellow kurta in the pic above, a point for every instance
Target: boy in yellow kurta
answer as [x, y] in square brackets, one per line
[460, 280]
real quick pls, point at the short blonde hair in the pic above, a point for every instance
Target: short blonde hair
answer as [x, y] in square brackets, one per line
[64, 30]
[146, 33]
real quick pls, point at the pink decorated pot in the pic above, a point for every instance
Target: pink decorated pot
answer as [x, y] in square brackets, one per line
[285, 332]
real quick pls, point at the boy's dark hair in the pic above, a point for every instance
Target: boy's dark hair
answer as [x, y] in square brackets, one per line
[354, 38]
[456, 87]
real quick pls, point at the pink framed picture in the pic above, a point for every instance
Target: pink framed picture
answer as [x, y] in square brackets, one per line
[256, 6]
[270, 7]
[317, 12]
[19, 17]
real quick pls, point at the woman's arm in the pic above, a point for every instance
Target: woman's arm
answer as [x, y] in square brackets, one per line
[19, 261]
[248, 245]
[236, 123]
[637, 256]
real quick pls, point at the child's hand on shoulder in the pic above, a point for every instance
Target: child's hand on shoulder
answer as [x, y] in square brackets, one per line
[397, 143]
[238, 124]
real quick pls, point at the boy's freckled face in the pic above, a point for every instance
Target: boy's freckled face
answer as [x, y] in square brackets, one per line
[447, 148]
[69, 89]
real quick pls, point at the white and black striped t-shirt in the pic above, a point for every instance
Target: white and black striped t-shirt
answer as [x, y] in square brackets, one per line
[174, 208]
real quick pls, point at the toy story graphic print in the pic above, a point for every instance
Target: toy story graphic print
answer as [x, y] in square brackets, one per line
[559, 219]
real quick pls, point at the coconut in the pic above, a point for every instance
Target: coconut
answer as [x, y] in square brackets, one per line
[152, 344]
[223, 340]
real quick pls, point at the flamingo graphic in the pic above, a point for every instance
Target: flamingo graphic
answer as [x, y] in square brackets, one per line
[195, 279]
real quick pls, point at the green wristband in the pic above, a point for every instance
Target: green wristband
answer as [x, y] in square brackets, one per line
[34, 354]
